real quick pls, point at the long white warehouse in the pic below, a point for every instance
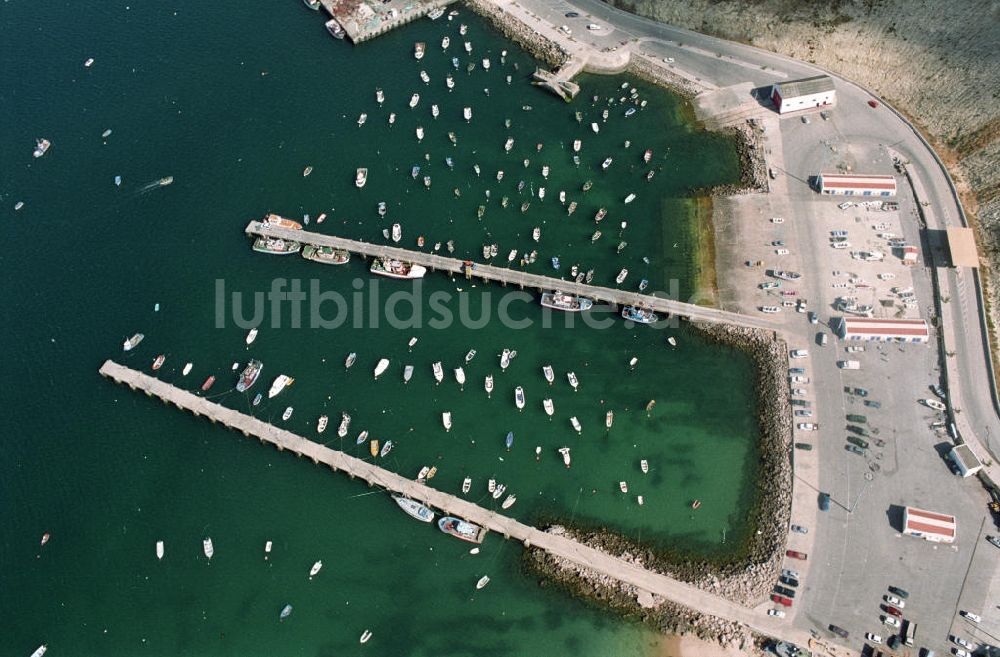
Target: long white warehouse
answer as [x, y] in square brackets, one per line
[884, 330]
[928, 525]
[856, 185]
[806, 93]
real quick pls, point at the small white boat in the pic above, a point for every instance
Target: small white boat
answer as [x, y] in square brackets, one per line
[438, 372]
[251, 336]
[549, 407]
[321, 426]
[460, 376]
[345, 422]
[362, 119]
[287, 414]
[446, 420]
[576, 145]
[382, 366]
[466, 485]
[644, 466]
[392, 118]
[672, 341]
[545, 171]
[565, 454]
[316, 567]
[397, 232]
[536, 234]
[365, 636]
[422, 475]
[505, 359]
[386, 448]
[491, 485]
[640, 500]
[407, 373]
[445, 42]
[468, 46]
[40, 650]
[187, 369]
[498, 491]
[351, 357]
[412, 342]
[623, 486]
[576, 424]
[509, 501]
[414, 99]
[267, 550]
[486, 63]
[280, 383]
[208, 548]
[629, 198]
[467, 114]
[469, 356]
[519, 398]
[362, 438]
[933, 403]
[633, 362]
[609, 419]
[509, 144]
[483, 581]
[596, 128]
[420, 133]
[572, 379]
[488, 384]
[549, 373]
[435, 111]
[424, 77]
[621, 276]
[379, 96]
[159, 549]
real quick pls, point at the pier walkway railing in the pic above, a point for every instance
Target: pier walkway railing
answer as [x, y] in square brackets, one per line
[621, 570]
[511, 276]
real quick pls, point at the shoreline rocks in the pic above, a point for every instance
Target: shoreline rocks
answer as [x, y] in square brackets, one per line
[534, 43]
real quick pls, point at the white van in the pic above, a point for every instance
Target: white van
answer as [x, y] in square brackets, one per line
[849, 364]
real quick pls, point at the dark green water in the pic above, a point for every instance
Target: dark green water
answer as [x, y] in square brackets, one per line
[108, 472]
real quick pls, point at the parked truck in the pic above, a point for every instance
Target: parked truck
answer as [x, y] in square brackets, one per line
[849, 364]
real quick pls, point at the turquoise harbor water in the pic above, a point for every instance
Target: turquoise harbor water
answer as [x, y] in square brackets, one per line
[234, 106]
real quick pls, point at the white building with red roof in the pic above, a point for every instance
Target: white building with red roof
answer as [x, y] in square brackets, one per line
[838, 184]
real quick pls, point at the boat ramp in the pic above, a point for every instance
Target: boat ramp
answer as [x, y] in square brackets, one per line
[510, 276]
[645, 581]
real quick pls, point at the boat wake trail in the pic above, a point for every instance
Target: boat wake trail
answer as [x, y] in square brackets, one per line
[156, 184]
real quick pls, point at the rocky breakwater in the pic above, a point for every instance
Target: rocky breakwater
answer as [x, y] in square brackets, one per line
[748, 576]
[517, 31]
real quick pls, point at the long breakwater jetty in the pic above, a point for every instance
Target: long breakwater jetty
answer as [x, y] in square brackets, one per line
[510, 276]
[644, 580]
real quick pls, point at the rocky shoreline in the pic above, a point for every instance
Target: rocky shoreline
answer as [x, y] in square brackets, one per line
[745, 580]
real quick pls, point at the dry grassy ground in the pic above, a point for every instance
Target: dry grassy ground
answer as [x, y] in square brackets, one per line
[936, 60]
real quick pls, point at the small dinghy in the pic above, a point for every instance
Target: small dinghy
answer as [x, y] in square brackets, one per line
[386, 448]
[351, 357]
[510, 440]
[565, 455]
[519, 398]
[407, 373]
[576, 424]
[287, 415]
[460, 376]
[286, 611]
[362, 438]
[488, 384]
[623, 486]
[382, 366]
[446, 420]
[438, 372]
[469, 356]
[572, 380]
[316, 567]
[550, 375]
[644, 466]
[609, 419]
[466, 485]
[549, 407]
[365, 636]
[159, 550]
[509, 501]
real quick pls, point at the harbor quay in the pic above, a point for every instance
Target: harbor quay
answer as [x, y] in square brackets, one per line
[650, 585]
[508, 276]
[362, 20]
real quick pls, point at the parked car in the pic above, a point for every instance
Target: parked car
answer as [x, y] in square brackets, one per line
[872, 404]
[798, 378]
[975, 618]
[805, 119]
[777, 613]
[902, 593]
[821, 339]
[894, 601]
[960, 653]
[854, 449]
[785, 591]
[892, 610]
[781, 252]
[839, 631]
[796, 370]
[806, 447]
[799, 392]
[861, 431]
[796, 555]
[803, 413]
[807, 426]
[891, 621]
[781, 600]
[799, 353]
[805, 403]
[824, 501]
[799, 529]
[813, 318]
[788, 581]
[565, 30]
[874, 638]
[788, 572]
[962, 642]
[994, 541]
[857, 419]
[572, 14]
[777, 242]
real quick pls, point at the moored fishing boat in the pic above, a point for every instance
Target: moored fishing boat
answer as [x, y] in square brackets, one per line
[279, 384]
[275, 246]
[462, 529]
[397, 232]
[420, 133]
[466, 485]
[321, 425]
[509, 144]
[351, 357]
[287, 414]
[445, 42]
[133, 342]
[629, 198]
[787, 275]
[647, 156]
[407, 373]
[267, 549]
[251, 336]
[565, 302]
[483, 581]
[509, 501]
[373, 448]
[414, 99]
[208, 548]
[286, 611]
[397, 269]
[208, 383]
[41, 147]
[519, 398]
[640, 315]
[386, 448]
[600, 214]
[334, 28]
[576, 424]
[326, 254]
[316, 567]
[488, 384]
[418, 50]
[505, 359]
[509, 441]
[467, 114]
[362, 438]
[644, 466]
[438, 371]
[572, 208]
[571, 376]
[362, 119]
[280, 222]
[609, 419]
[621, 276]
[249, 375]
[360, 177]
[257, 399]
[623, 486]
[345, 422]
[158, 362]
[549, 373]
[460, 376]
[379, 95]
[549, 407]
[498, 491]
[187, 369]
[576, 145]
[159, 550]
[446, 420]
[587, 185]
[414, 509]
[381, 367]
[424, 77]
[606, 163]
[565, 456]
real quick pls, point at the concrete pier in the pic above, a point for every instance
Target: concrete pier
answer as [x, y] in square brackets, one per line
[509, 276]
[363, 20]
[646, 581]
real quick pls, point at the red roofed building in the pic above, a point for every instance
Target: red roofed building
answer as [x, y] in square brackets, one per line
[928, 525]
[856, 185]
[884, 330]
